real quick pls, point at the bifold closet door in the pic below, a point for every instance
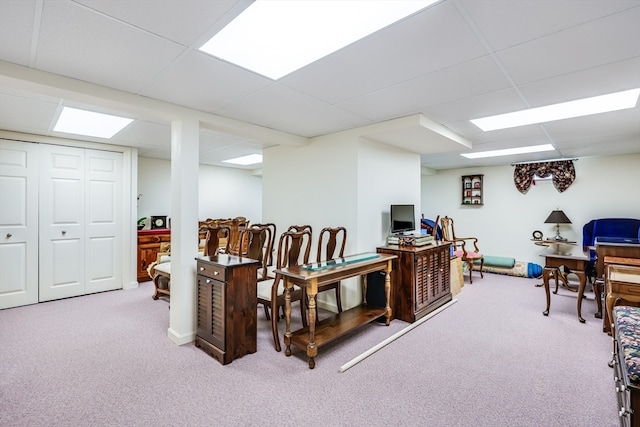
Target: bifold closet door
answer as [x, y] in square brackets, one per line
[80, 221]
[18, 224]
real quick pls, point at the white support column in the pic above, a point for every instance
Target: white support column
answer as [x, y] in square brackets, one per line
[185, 144]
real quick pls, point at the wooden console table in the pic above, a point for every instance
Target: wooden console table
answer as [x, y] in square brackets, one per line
[313, 336]
[573, 260]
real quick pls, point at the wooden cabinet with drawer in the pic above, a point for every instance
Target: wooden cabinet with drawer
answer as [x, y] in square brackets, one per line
[227, 306]
[148, 246]
[421, 279]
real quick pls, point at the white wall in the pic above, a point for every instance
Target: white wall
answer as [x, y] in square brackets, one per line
[604, 187]
[224, 192]
[339, 180]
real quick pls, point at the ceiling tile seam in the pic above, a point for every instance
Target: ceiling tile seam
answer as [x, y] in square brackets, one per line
[35, 32]
[474, 28]
[153, 79]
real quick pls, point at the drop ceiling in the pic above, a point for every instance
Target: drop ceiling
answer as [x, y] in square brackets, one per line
[415, 84]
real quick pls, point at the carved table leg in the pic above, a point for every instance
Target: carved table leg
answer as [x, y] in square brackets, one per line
[583, 284]
[287, 315]
[312, 350]
[387, 292]
[545, 281]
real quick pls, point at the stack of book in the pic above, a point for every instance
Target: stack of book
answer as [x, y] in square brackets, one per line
[411, 240]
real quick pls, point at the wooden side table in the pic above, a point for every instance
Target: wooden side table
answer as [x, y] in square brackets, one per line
[573, 260]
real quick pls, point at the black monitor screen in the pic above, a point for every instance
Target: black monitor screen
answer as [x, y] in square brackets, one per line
[402, 218]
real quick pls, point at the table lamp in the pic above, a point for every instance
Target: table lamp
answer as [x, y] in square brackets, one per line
[557, 217]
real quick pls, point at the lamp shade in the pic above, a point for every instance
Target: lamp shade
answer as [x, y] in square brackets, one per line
[557, 217]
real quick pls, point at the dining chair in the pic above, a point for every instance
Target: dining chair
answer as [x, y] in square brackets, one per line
[293, 249]
[216, 239]
[331, 243]
[272, 240]
[236, 225]
[460, 249]
[257, 241]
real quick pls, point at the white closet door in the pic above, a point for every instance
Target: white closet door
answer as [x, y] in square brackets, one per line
[103, 221]
[62, 218]
[18, 223]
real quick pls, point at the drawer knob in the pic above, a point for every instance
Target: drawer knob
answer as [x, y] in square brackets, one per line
[208, 280]
[201, 268]
[9, 235]
[215, 273]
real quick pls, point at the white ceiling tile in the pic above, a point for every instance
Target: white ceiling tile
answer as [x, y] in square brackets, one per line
[86, 45]
[182, 21]
[460, 81]
[430, 40]
[589, 45]
[506, 23]
[202, 82]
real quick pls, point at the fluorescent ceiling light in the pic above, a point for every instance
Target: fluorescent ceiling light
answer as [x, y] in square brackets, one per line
[276, 37]
[251, 159]
[566, 110]
[88, 123]
[509, 151]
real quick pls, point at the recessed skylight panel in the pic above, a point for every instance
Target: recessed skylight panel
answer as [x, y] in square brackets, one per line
[89, 123]
[565, 110]
[277, 37]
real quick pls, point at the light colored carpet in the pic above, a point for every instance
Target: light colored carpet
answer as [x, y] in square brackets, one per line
[491, 359]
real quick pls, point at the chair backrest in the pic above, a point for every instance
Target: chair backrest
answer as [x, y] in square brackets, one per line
[300, 228]
[272, 239]
[236, 225]
[217, 237]
[331, 243]
[448, 232]
[294, 248]
[257, 241]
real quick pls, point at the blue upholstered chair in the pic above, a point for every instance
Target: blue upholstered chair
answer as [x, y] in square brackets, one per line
[606, 227]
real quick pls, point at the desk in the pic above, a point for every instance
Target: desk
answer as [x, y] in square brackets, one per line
[557, 246]
[574, 260]
[313, 336]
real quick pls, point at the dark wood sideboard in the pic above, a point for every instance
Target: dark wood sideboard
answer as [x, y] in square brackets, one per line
[148, 246]
[421, 279]
[227, 306]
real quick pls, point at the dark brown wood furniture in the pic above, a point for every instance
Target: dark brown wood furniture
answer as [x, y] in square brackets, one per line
[331, 243]
[571, 258]
[622, 285]
[216, 238]
[421, 279]
[467, 253]
[257, 241]
[616, 247]
[148, 246]
[315, 335]
[226, 317]
[294, 248]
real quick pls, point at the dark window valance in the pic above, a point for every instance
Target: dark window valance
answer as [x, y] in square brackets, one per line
[562, 171]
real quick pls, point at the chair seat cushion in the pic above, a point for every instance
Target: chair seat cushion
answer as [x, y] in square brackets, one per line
[470, 255]
[264, 289]
[627, 321]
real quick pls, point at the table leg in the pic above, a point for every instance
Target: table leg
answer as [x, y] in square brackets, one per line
[545, 281]
[387, 292]
[583, 284]
[287, 315]
[312, 350]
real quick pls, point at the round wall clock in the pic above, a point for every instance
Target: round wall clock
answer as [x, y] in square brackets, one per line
[158, 222]
[537, 235]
